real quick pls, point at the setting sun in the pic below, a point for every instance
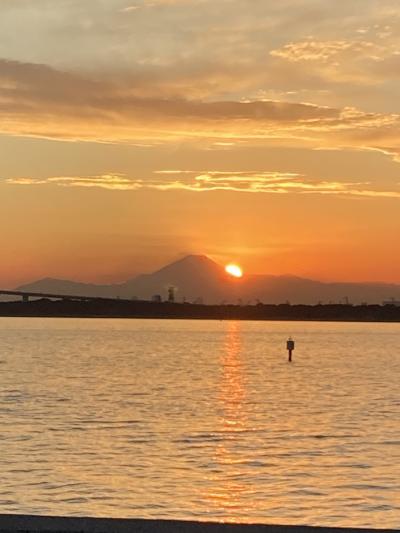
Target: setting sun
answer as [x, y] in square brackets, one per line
[234, 270]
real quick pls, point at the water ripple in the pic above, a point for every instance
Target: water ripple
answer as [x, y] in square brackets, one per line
[201, 420]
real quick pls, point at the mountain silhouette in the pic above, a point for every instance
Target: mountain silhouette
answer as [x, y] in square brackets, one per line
[73, 288]
[193, 277]
[199, 278]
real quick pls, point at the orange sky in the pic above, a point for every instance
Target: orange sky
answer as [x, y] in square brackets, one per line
[133, 133]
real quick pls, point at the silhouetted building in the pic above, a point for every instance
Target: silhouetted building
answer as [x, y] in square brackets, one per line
[171, 294]
[392, 301]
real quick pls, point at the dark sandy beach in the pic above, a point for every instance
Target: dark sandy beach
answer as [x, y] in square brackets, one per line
[39, 524]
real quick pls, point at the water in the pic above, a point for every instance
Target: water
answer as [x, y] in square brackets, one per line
[201, 420]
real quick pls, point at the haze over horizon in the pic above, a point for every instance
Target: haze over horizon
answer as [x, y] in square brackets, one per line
[135, 130]
[199, 279]
[181, 258]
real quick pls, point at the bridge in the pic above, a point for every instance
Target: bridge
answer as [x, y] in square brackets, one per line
[26, 295]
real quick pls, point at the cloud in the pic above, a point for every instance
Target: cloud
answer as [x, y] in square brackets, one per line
[335, 63]
[36, 100]
[325, 51]
[216, 50]
[129, 9]
[40, 100]
[26, 181]
[208, 181]
[107, 181]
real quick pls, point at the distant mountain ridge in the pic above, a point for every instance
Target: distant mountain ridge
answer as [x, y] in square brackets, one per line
[197, 277]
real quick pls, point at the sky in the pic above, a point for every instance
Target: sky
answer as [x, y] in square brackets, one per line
[133, 133]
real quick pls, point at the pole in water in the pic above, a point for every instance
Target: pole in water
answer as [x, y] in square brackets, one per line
[290, 348]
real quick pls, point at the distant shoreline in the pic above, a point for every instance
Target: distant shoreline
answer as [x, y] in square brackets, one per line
[144, 309]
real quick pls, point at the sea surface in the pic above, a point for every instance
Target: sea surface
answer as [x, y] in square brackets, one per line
[201, 420]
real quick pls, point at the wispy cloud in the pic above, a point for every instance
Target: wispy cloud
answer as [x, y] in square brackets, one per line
[326, 51]
[240, 182]
[117, 182]
[129, 9]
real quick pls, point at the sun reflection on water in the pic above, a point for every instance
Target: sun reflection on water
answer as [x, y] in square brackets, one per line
[231, 493]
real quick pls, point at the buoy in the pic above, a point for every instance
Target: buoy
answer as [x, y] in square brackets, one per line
[290, 348]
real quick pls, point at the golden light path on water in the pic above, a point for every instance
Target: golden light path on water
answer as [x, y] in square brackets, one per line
[235, 493]
[229, 490]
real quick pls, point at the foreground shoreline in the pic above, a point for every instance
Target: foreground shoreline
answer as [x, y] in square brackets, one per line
[56, 524]
[70, 308]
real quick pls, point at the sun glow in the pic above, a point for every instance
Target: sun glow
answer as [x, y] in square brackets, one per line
[234, 270]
